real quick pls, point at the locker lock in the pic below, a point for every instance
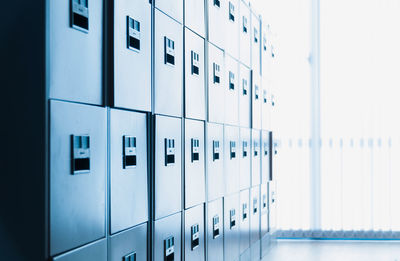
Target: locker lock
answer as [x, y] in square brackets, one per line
[215, 227]
[255, 35]
[80, 15]
[255, 209]
[215, 150]
[195, 235]
[195, 149]
[245, 148]
[266, 148]
[195, 63]
[130, 257]
[169, 51]
[169, 152]
[231, 80]
[80, 148]
[265, 43]
[133, 34]
[169, 251]
[231, 12]
[256, 148]
[272, 100]
[244, 82]
[232, 214]
[245, 24]
[265, 96]
[264, 202]
[244, 211]
[233, 149]
[129, 152]
[217, 73]
[217, 3]
[256, 92]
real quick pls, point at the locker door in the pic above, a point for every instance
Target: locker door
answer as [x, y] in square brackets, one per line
[244, 223]
[264, 209]
[256, 158]
[194, 233]
[231, 227]
[195, 16]
[244, 34]
[173, 8]
[129, 245]
[256, 44]
[255, 223]
[244, 97]
[215, 161]
[245, 158]
[96, 251]
[216, 84]
[231, 91]
[167, 238]
[215, 231]
[265, 157]
[217, 22]
[232, 28]
[231, 159]
[256, 100]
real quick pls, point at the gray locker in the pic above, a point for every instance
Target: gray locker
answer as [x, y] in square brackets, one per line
[232, 28]
[231, 91]
[265, 107]
[132, 52]
[96, 251]
[216, 84]
[256, 100]
[264, 202]
[128, 169]
[168, 65]
[173, 8]
[217, 22]
[75, 51]
[195, 16]
[265, 51]
[167, 166]
[272, 206]
[256, 44]
[255, 157]
[231, 159]
[167, 238]
[265, 156]
[194, 233]
[195, 92]
[231, 227]
[194, 163]
[215, 231]
[245, 158]
[244, 34]
[130, 245]
[244, 96]
[244, 224]
[78, 143]
[255, 215]
[255, 250]
[215, 161]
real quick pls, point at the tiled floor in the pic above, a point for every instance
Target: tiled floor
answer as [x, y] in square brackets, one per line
[326, 250]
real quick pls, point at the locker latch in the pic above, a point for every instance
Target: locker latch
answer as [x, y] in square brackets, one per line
[133, 34]
[264, 204]
[169, 152]
[266, 148]
[169, 51]
[129, 152]
[217, 3]
[245, 149]
[265, 43]
[244, 211]
[169, 251]
[272, 100]
[231, 80]
[265, 96]
[255, 209]
[231, 12]
[195, 149]
[80, 148]
[255, 35]
[244, 82]
[80, 15]
[217, 73]
[130, 257]
[195, 63]
[215, 150]
[233, 149]
[195, 236]
[256, 148]
[245, 24]
[215, 227]
[256, 92]
[232, 214]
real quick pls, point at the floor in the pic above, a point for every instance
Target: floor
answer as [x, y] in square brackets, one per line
[334, 250]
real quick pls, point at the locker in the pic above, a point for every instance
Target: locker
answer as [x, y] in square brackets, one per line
[215, 161]
[265, 108]
[264, 209]
[194, 163]
[217, 22]
[167, 166]
[195, 16]
[265, 156]
[265, 245]
[244, 224]
[256, 100]
[272, 206]
[255, 158]
[96, 251]
[216, 84]
[173, 8]
[244, 34]
[167, 238]
[232, 28]
[130, 245]
[194, 233]
[244, 96]
[78, 143]
[231, 91]
[132, 55]
[256, 44]
[231, 159]
[195, 96]
[128, 169]
[75, 51]
[168, 65]
[266, 51]
[255, 215]
[245, 158]
[231, 227]
[215, 231]
[255, 250]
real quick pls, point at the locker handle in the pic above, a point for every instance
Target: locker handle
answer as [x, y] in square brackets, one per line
[130, 257]
[80, 154]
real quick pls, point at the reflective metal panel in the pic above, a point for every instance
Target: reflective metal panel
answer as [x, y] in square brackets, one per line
[167, 238]
[246, 256]
[265, 156]
[217, 13]
[255, 251]
[173, 8]
[244, 218]
[215, 230]
[232, 17]
[130, 245]
[272, 206]
[231, 159]
[244, 34]
[96, 251]
[256, 158]
[195, 16]
[245, 156]
[256, 100]
[244, 96]
[216, 84]
[256, 44]
[194, 233]
[231, 91]
[264, 202]
[255, 215]
[231, 227]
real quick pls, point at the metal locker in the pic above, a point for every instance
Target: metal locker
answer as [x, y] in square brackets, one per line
[194, 233]
[272, 206]
[265, 245]
[132, 55]
[244, 34]
[256, 100]
[167, 166]
[215, 231]
[255, 250]
[96, 251]
[231, 91]
[167, 238]
[129, 245]
[195, 92]
[256, 43]
[128, 169]
[216, 84]
[194, 163]
[173, 8]
[244, 96]
[244, 224]
[78, 145]
[215, 161]
[216, 22]
[264, 202]
[265, 156]
[245, 158]
[255, 215]
[266, 53]
[75, 51]
[231, 159]
[265, 108]
[195, 16]
[231, 227]
[232, 28]
[168, 80]
[255, 158]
